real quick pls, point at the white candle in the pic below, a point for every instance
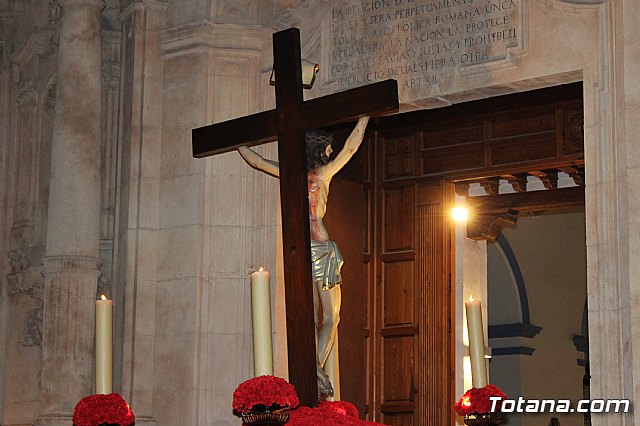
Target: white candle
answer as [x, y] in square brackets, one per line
[476, 343]
[261, 310]
[104, 344]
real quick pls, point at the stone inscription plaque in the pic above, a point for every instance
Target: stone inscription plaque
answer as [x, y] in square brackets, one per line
[425, 45]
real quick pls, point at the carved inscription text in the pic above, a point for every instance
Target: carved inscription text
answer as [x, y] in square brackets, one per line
[420, 43]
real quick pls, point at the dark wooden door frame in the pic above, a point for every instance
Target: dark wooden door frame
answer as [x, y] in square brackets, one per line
[554, 138]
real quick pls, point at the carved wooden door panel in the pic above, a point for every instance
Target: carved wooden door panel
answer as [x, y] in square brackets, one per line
[410, 301]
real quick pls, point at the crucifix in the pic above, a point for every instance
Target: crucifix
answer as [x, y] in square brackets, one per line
[287, 124]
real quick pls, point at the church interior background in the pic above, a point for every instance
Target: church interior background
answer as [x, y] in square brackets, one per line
[99, 193]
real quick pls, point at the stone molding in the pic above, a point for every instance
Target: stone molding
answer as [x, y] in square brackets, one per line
[237, 11]
[27, 96]
[208, 36]
[132, 6]
[585, 2]
[55, 12]
[40, 43]
[71, 262]
[12, 8]
[72, 3]
[110, 72]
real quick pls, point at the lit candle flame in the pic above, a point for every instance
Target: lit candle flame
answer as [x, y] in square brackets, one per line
[471, 298]
[103, 297]
[261, 269]
[466, 401]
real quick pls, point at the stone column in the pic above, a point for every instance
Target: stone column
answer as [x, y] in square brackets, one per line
[71, 261]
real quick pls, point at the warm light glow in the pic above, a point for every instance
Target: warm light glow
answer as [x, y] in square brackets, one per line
[103, 297]
[261, 269]
[460, 214]
[466, 401]
[466, 371]
[471, 298]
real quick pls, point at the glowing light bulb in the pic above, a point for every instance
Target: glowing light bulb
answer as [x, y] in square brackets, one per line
[460, 214]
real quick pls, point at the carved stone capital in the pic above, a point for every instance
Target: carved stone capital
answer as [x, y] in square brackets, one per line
[67, 262]
[24, 278]
[30, 282]
[32, 334]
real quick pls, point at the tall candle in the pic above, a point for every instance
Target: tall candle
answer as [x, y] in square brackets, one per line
[261, 310]
[476, 343]
[104, 344]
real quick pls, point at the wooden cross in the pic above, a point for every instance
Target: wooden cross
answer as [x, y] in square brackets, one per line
[288, 124]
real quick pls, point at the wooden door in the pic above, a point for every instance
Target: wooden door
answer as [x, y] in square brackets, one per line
[410, 345]
[414, 161]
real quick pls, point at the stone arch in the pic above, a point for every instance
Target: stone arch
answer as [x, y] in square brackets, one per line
[514, 321]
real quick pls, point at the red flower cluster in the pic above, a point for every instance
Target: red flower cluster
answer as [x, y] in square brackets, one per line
[476, 400]
[341, 407]
[328, 413]
[264, 390]
[96, 410]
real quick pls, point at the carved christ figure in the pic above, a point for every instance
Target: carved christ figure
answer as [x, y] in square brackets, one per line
[325, 255]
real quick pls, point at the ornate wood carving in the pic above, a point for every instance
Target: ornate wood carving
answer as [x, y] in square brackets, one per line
[577, 174]
[518, 182]
[574, 131]
[549, 178]
[490, 185]
[462, 188]
[527, 202]
[492, 212]
[489, 226]
[503, 135]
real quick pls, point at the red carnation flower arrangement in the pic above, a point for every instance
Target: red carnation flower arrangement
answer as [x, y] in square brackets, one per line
[262, 392]
[269, 393]
[328, 413]
[476, 400]
[97, 410]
